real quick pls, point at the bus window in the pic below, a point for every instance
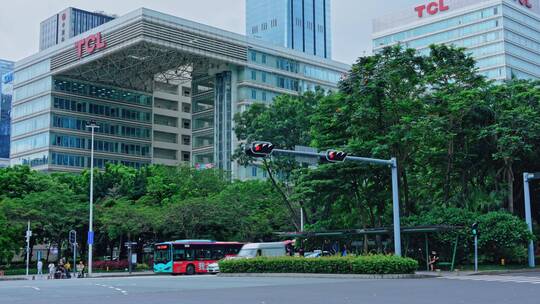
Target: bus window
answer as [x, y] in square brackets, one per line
[218, 254]
[203, 254]
[189, 254]
[179, 255]
[162, 254]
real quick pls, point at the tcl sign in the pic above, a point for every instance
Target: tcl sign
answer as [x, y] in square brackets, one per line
[90, 44]
[431, 8]
[526, 3]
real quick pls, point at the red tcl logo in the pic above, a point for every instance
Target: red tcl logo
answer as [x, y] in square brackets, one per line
[526, 3]
[90, 43]
[431, 8]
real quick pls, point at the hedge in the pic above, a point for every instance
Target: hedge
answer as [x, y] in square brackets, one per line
[370, 264]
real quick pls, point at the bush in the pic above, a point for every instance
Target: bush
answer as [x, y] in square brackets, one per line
[111, 265]
[371, 264]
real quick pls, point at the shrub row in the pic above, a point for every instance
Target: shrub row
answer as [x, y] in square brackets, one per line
[371, 264]
[112, 265]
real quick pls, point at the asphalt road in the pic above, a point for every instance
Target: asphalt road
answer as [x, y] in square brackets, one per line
[509, 289]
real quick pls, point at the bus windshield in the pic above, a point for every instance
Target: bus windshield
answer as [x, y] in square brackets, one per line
[162, 254]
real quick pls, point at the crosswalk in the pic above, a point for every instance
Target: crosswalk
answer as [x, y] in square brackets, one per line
[497, 278]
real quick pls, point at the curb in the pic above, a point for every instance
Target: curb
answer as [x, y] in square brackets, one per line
[7, 278]
[496, 272]
[326, 275]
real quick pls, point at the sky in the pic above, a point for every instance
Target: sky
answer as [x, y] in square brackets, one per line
[351, 20]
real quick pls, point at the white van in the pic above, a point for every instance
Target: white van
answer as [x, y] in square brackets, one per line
[253, 250]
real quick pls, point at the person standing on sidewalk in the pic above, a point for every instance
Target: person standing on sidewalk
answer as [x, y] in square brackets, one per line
[40, 267]
[80, 269]
[52, 269]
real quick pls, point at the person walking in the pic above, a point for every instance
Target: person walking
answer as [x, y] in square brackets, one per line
[40, 267]
[52, 269]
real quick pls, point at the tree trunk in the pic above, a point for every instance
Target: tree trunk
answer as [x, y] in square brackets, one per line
[449, 165]
[409, 207]
[510, 182]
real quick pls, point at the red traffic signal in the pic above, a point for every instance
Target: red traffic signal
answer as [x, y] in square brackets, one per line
[335, 156]
[259, 149]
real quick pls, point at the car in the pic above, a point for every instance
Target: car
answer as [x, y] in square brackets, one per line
[213, 268]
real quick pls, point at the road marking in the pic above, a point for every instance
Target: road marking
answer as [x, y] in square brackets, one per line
[112, 287]
[501, 279]
[33, 287]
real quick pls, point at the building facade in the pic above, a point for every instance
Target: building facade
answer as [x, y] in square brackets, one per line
[6, 92]
[161, 88]
[302, 25]
[68, 23]
[502, 35]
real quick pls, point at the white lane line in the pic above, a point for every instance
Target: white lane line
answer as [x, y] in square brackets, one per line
[33, 287]
[112, 287]
[509, 279]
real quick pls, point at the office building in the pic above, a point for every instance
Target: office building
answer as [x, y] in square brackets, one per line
[162, 89]
[502, 35]
[68, 23]
[6, 92]
[302, 25]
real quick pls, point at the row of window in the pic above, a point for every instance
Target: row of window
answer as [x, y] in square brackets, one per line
[437, 26]
[30, 143]
[68, 141]
[32, 89]
[104, 128]
[33, 71]
[70, 160]
[102, 92]
[32, 106]
[100, 109]
[30, 125]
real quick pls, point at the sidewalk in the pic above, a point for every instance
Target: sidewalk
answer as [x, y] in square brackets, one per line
[94, 276]
[472, 273]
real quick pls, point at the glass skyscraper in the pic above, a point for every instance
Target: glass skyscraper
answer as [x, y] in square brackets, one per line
[6, 89]
[68, 23]
[502, 35]
[302, 25]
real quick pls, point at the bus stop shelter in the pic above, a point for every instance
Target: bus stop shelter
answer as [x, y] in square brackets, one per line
[385, 231]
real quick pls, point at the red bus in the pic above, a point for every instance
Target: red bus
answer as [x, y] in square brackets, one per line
[191, 256]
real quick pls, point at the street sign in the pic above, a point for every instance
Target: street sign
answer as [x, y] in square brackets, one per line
[90, 237]
[130, 244]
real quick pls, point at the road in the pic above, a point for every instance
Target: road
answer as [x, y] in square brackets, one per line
[516, 288]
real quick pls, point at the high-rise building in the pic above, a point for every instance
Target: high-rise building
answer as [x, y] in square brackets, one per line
[302, 25]
[6, 92]
[162, 90]
[502, 35]
[68, 23]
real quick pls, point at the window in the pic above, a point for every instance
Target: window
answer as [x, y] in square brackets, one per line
[186, 123]
[186, 140]
[186, 91]
[263, 58]
[264, 96]
[253, 56]
[186, 107]
[263, 76]
[253, 94]
[253, 75]
[186, 156]
[254, 171]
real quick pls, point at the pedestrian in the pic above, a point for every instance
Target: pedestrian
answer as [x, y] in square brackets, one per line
[68, 266]
[40, 267]
[344, 250]
[80, 269]
[433, 259]
[52, 269]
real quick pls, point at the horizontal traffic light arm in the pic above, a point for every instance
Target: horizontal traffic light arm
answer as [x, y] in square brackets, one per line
[390, 162]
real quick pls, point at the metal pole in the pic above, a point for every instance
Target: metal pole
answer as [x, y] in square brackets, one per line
[395, 204]
[91, 228]
[476, 253]
[301, 219]
[28, 234]
[129, 259]
[74, 259]
[528, 217]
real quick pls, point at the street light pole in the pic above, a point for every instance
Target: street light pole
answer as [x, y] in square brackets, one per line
[528, 217]
[92, 126]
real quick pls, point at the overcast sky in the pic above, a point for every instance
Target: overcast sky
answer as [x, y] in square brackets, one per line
[351, 19]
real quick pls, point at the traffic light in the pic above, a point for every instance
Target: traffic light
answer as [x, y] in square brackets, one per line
[72, 237]
[335, 156]
[475, 229]
[259, 149]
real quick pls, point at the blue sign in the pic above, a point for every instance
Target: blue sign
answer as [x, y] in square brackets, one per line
[90, 237]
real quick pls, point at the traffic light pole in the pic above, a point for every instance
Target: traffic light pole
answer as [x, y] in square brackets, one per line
[528, 218]
[395, 194]
[475, 253]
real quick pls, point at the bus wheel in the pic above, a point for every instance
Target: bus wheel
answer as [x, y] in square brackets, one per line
[190, 269]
